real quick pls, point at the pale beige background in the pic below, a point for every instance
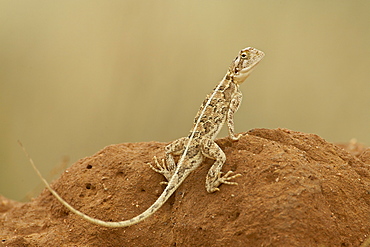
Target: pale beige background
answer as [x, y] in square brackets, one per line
[76, 76]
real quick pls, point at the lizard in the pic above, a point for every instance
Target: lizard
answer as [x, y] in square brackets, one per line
[218, 107]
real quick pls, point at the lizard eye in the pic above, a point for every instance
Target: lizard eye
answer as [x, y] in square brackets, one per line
[243, 55]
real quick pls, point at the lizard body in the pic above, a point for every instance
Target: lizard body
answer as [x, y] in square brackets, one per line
[218, 108]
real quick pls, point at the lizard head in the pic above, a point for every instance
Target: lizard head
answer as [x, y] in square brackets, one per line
[243, 64]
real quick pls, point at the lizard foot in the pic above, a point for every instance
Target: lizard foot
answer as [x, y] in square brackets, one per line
[234, 137]
[225, 179]
[162, 169]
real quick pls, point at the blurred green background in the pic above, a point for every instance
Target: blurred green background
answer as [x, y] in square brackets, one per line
[76, 76]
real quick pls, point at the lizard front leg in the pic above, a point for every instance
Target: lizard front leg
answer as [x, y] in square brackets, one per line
[234, 106]
[214, 179]
[174, 148]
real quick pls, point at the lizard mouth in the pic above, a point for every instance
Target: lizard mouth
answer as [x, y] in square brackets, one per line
[245, 63]
[242, 74]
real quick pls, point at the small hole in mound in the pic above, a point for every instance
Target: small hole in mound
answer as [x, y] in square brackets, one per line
[234, 215]
[88, 186]
[3, 240]
[89, 166]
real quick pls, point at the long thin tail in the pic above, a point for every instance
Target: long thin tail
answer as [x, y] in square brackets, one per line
[173, 184]
[154, 207]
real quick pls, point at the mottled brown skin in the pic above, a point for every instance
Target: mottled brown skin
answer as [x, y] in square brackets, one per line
[218, 107]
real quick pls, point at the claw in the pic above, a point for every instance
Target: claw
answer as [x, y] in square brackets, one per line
[213, 186]
[235, 138]
[161, 168]
[225, 179]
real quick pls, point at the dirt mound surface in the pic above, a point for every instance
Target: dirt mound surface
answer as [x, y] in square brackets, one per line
[296, 189]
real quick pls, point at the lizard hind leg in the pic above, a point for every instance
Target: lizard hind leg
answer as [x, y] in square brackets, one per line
[168, 165]
[214, 177]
